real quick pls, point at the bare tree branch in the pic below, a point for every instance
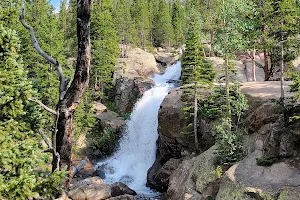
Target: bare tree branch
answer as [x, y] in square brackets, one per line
[63, 82]
[43, 106]
[44, 137]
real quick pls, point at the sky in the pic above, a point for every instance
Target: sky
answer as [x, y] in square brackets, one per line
[55, 3]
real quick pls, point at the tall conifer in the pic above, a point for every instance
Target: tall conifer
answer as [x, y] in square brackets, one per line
[196, 71]
[105, 49]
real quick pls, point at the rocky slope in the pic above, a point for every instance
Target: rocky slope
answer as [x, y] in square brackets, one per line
[133, 72]
[197, 177]
[132, 77]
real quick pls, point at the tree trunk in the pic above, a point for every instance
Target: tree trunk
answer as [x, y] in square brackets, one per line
[281, 74]
[196, 120]
[266, 61]
[228, 114]
[63, 137]
[253, 65]
[211, 53]
[266, 65]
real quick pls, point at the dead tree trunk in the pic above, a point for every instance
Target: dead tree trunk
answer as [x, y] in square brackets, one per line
[69, 98]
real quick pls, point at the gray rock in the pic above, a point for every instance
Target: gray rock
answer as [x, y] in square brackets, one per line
[268, 179]
[163, 174]
[92, 191]
[123, 197]
[119, 188]
[191, 176]
[111, 119]
[129, 90]
[152, 172]
[171, 122]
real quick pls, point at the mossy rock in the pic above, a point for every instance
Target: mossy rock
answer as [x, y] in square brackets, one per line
[289, 194]
[205, 171]
[230, 190]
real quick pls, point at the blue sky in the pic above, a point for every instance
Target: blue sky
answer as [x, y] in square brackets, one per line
[56, 4]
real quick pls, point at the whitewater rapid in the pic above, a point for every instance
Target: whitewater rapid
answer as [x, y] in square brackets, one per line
[137, 148]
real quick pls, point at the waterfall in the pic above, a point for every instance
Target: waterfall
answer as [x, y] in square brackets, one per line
[137, 147]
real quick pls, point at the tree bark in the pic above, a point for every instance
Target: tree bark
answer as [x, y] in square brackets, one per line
[266, 61]
[266, 66]
[211, 53]
[196, 120]
[281, 73]
[66, 107]
[253, 65]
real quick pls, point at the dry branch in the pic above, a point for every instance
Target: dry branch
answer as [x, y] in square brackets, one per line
[43, 106]
[44, 137]
[63, 82]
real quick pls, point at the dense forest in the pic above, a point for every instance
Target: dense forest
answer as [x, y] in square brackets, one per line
[54, 65]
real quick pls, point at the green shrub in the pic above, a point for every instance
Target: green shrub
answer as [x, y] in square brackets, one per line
[214, 107]
[266, 160]
[230, 145]
[126, 116]
[105, 141]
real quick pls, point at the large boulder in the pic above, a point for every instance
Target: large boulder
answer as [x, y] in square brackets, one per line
[131, 77]
[90, 189]
[163, 174]
[111, 119]
[192, 177]
[137, 63]
[170, 126]
[129, 90]
[99, 108]
[172, 142]
[118, 189]
[164, 60]
[247, 180]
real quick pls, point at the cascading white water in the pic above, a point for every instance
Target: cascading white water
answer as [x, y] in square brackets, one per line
[137, 148]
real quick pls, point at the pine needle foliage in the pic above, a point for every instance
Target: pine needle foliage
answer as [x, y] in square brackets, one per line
[20, 154]
[105, 49]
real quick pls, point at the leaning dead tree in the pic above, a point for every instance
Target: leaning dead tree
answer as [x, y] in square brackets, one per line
[69, 97]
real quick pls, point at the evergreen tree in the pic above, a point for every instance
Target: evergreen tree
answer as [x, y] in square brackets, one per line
[163, 31]
[140, 16]
[20, 154]
[41, 16]
[153, 14]
[71, 33]
[178, 20]
[124, 24]
[195, 71]
[105, 48]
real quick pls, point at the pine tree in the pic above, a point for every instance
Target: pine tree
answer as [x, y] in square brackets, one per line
[163, 31]
[140, 16]
[71, 33]
[178, 20]
[124, 24]
[20, 154]
[195, 70]
[153, 14]
[105, 48]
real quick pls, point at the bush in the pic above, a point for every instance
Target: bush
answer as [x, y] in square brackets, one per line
[266, 160]
[215, 106]
[230, 146]
[105, 141]
[126, 116]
